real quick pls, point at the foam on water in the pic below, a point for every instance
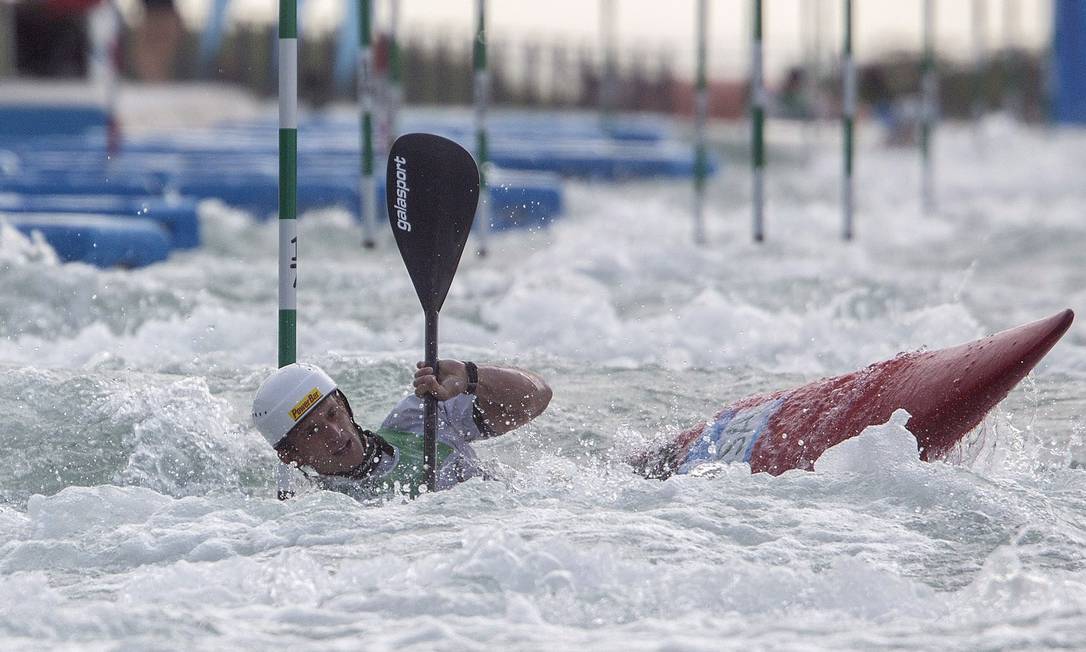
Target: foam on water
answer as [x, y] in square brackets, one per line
[136, 504]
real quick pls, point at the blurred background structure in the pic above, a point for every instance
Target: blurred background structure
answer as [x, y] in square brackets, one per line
[235, 41]
[616, 92]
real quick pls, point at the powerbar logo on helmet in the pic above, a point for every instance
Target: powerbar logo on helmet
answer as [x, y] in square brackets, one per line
[308, 401]
[402, 221]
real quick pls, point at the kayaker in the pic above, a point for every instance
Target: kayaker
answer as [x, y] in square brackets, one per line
[302, 413]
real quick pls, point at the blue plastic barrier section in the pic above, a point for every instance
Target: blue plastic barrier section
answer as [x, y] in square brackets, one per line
[1069, 62]
[158, 179]
[95, 183]
[177, 216]
[517, 199]
[573, 146]
[592, 159]
[519, 125]
[105, 241]
[36, 120]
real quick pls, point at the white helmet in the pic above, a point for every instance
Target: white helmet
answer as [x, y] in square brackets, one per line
[286, 396]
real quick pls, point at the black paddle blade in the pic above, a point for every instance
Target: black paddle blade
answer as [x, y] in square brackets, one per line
[432, 191]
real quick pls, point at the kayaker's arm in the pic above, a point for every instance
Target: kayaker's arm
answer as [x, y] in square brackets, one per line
[507, 398]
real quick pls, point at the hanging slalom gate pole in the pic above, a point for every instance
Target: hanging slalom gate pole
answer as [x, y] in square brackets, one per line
[757, 114]
[395, 72]
[848, 124]
[482, 152]
[1048, 52]
[701, 111]
[980, 63]
[817, 60]
[288, 199]
[810, 28]
[607, 78]
[367, 188]
[927, 124]
[104, 26]
[1012, 93]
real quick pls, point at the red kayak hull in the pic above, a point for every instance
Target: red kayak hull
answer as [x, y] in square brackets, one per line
[948, 392]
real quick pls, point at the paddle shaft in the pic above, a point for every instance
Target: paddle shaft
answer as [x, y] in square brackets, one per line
[429, 423]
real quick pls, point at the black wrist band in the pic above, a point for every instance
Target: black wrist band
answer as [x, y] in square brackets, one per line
[473, 377]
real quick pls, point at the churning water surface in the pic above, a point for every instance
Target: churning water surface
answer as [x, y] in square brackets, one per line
[137, 503]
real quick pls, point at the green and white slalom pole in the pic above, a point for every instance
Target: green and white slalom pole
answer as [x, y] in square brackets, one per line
[395, 73]
[757, 121]
[367, 184]
[288, 200]
[811, 30]
[701, 112]
[1012, 92]
[482, 153]
[607, 79]
[848, 124]
[927, 121]
[980, 69]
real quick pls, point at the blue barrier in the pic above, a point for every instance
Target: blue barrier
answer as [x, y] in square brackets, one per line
[570, 145]
[518, 126]
[259, 193]
[602, 160]
[177, 216]
[33, 183]
[36, 120]
[517, 199]
[238, 165]
[594, 159]
[104, 241]
[1069, 62]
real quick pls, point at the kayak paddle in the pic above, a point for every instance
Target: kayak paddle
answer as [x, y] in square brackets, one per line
[432, 189]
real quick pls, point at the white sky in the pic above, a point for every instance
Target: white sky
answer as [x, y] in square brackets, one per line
[880, 25]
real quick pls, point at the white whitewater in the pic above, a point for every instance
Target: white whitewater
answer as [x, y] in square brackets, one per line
[136, 499]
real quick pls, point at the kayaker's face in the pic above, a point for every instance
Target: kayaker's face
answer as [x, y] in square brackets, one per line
[325, 439]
